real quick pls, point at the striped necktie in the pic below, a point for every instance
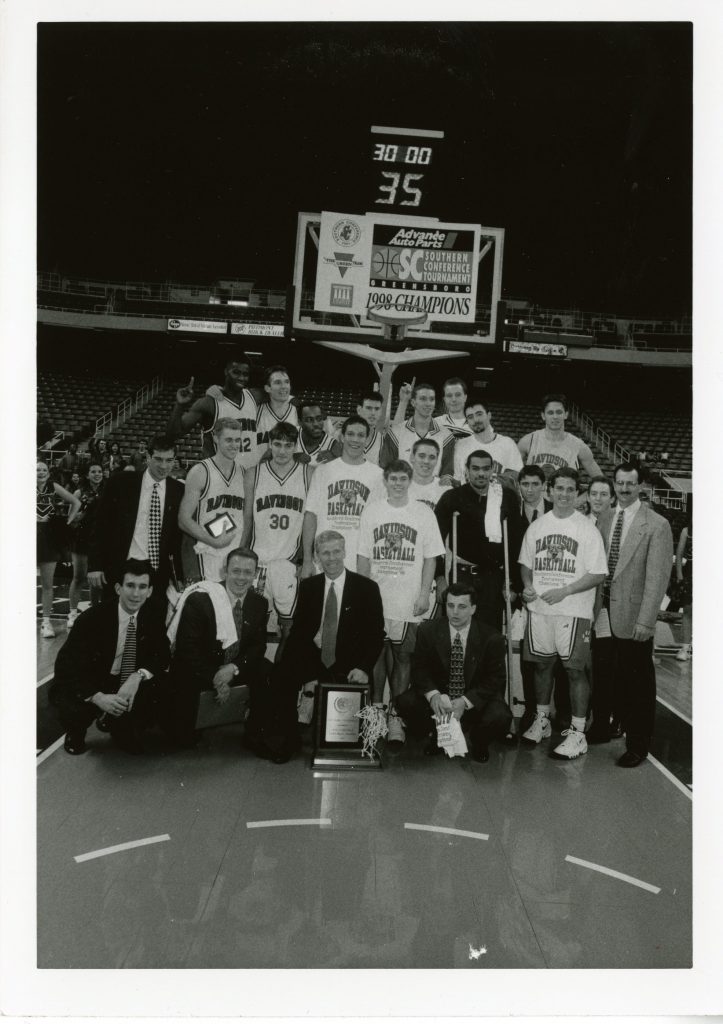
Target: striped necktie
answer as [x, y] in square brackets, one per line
[128, 659]
[328, 629]
[614, 552]
[154, 528]
[456, 668]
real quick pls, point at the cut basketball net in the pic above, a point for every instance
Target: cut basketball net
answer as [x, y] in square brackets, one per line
[373, 728]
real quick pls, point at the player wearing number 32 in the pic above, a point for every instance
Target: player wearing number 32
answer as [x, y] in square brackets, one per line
[111, 662]
[213, 515]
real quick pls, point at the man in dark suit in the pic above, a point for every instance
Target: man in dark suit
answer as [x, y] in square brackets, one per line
[111, 664]
[474, 693]
[639, 547]
[337, 632]
[138, 518]
[220, 641]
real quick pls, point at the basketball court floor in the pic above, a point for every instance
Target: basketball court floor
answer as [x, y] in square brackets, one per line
[212, 858]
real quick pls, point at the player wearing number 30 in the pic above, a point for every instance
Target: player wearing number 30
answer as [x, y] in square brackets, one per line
[213, 514]
[276, 491]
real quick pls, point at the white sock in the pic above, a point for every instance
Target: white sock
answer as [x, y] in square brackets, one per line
[578, 724]
[544, 710]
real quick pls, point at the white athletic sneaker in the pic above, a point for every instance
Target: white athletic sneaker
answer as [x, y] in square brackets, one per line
[539, 730]
[46, 630]
[72, 616]
[573, 745]
[684, 653]
[396, 733]
[305, 706]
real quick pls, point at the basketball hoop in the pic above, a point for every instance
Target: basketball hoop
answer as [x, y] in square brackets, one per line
[395, 320]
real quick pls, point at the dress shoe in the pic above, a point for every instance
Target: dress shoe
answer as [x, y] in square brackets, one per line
[74, 743]
[630, 759]
[480, 754]
[598, 735]
[102, 723]
[616, 730]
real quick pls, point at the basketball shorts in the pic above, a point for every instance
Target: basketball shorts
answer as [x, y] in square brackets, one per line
[277, 582]
[402, 635]
[551, 636]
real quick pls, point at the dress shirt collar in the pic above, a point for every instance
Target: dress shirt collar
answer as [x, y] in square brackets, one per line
[147, 483]
[527, 512]
[124, 616]
[630, 511]
[338, 584]
[463, 634]
[232, 598]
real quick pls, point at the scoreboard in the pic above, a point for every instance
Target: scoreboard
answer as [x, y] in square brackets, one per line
[404, 169]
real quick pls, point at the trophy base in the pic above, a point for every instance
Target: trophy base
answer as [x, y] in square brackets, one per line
[344, 760]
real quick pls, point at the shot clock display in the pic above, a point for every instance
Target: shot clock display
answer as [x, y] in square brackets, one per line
[403, 163]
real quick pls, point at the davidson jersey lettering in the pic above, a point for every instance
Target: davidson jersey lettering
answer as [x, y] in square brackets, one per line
[278, 514]
[245, 414]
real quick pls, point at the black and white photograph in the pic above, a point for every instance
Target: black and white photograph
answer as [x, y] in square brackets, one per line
[362, 347]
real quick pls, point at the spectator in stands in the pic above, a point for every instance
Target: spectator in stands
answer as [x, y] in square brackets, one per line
[68, 464]
[139, 458]
[50, 536]
[552, 447]
[99, 451]
[400, 437]
[75, 482]
[116, 462]
[684, 580]
[88, 493]
[233, 400]
[664, 457]
[138, 518]
[112, 663]
[639, 546]
[506, 459]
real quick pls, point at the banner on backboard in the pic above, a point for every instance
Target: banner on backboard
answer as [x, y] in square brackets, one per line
[388, 262]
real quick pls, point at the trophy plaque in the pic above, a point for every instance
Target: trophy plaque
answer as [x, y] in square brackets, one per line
[337, 731]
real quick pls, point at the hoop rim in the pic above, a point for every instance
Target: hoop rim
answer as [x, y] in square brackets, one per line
[395, 317]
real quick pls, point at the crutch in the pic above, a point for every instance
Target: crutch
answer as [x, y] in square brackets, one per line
[508, 614]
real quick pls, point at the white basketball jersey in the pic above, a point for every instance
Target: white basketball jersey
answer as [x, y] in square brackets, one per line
[373, 447]
[220, 496]
[245, 413]
[326, 444]
[266, 420]
[279, 511]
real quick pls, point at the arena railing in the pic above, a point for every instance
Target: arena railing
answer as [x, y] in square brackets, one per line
[607, 444]
[128, 407]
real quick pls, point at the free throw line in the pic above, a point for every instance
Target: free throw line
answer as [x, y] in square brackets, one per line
[288, 821]
[447, 831]
[121, 846]
[613, 874]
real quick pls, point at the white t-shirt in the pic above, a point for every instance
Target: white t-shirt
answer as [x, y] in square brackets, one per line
[396, 541]
[428, 493]
[504, 452]
[559, 552]
[338, 495]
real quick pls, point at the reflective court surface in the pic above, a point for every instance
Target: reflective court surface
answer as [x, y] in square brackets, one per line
[354, 886]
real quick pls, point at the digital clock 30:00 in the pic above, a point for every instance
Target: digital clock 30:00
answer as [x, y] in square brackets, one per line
[391, 153]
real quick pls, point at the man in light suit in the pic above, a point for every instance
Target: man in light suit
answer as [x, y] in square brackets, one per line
[124, 525]
[313, 652]
[639, 546]
[480, 707]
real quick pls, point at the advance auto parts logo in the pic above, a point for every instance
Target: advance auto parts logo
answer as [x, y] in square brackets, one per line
[346, 232]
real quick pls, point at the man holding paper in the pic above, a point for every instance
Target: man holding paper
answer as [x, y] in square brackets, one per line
[562, 561]
[458, 674]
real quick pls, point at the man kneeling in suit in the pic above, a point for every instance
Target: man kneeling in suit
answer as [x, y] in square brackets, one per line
[218, 636]
[337, 634]
[458, 668]
[110, 664]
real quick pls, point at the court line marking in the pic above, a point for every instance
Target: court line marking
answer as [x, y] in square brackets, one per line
[45, 679]
[447, 831]
[288, 821]
[50, 750]
[121, 846]
[674, 710]
[613, 874]
[669, 775]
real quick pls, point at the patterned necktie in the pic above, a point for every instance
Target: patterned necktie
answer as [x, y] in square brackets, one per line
[154, 528]
[614, 552]
[456, 668]
[328, 629]
[128, 660]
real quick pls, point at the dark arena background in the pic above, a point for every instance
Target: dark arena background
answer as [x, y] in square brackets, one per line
[174, 164]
